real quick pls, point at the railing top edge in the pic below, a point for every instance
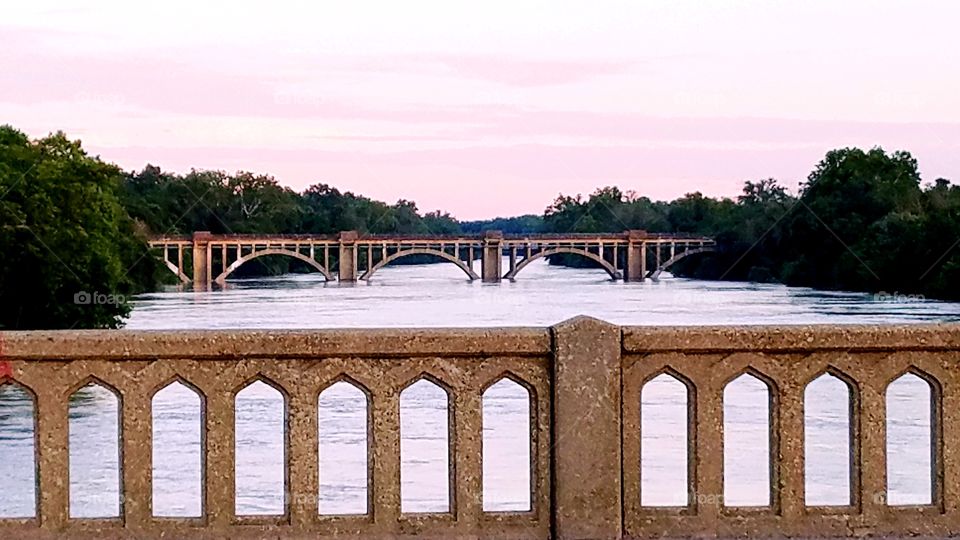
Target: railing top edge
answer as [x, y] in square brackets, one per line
[798, 338]
[469, 342]
[201, 344]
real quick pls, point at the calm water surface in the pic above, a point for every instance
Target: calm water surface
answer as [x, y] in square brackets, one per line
[438, 295]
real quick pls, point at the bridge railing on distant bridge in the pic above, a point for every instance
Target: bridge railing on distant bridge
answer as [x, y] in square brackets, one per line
[349, 256]
[586, 383]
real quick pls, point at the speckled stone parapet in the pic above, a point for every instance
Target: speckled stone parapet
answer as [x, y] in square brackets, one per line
[216, 344]
[585, 379]
[586, 430]
[786, 359]
[926, 337]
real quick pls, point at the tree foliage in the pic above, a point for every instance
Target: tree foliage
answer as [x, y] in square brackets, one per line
[71, 256]
[862, 221]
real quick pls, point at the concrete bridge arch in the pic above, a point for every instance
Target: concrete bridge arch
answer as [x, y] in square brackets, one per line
[222, 278]
[655, 274]
[605, 264]
[467, 269]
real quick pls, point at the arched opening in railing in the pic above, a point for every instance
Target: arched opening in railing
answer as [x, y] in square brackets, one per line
[748, 436]
[830, 444]
[94, 427]
[18, 450]
[507, 446]
[177, 411]
[260, 449]
[914, 447]
[344, 448]
[665, 432]
[425, 450]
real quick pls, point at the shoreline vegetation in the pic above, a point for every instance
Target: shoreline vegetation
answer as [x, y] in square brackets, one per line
[73, 224]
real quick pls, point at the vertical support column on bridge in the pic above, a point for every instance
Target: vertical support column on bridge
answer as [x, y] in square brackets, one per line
[636, 256]
[202, 271]
[491, 261]
[347, 265]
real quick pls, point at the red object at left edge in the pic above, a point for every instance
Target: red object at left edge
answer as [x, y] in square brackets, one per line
[6, 370]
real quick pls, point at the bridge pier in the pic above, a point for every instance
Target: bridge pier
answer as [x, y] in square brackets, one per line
[347, 263]
[202, 271]
[636, 268]
[491, 260]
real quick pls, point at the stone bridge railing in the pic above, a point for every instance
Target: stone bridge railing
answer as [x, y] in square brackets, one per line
[585, 379]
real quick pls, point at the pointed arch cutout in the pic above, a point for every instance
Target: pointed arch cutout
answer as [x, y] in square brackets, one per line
[178, 413]
[18, 453]
[177, 378]
[837, 373]
[668, 466]
[467, 269]
[831, 446]
[508, 449]
[93, 380]
[260, 377]
[261, 447]
[914, 442]
[273, 251]
[95, 430]
[756, 374]
[426, 449]
[673, 373]
[345, 378]
[344, 447]
[431, 378]
[605, 264]
[745, 444]
[24, 387]
[930, 379]
[513, 377]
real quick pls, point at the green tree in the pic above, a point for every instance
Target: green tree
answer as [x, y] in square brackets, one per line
[71, 256]
[851, 204]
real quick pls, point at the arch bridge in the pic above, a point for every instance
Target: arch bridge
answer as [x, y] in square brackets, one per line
[204, 259]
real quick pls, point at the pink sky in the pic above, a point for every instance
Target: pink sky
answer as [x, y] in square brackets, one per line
[493, 108]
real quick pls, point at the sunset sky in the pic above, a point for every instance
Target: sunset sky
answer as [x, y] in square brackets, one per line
[489, 108]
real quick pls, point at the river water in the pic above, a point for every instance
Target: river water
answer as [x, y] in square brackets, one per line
[438, 295]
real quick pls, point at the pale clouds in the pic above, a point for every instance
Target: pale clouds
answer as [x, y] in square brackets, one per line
[494, 108]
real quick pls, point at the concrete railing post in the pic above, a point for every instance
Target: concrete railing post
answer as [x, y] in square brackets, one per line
[587, 465]
[347, 264]
[202, 278]
[491, 262]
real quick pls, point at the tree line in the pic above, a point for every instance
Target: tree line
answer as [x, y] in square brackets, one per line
[73, 227]
[862, 221]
